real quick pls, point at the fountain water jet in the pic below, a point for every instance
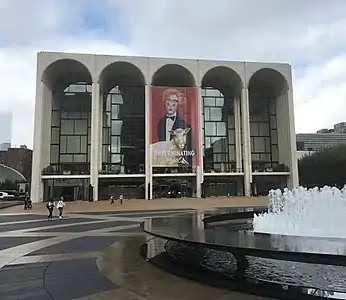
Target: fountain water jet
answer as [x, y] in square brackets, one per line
[317, 212]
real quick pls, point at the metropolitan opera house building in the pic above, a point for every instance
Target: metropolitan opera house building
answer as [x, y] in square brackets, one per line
[149, 128]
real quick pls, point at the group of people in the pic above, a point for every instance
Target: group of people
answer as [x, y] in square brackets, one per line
[60, 206]
[113, 198]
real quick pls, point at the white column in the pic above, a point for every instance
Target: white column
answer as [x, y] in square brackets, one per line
[46, 129]
[294, 176]
[100, 130]
[199, 168]
[237, 126]
[148, 173]
[36, 184]
[95, 122]
[246, 142]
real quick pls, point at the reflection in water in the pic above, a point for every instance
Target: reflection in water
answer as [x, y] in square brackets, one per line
[317, 280]
[314, 278]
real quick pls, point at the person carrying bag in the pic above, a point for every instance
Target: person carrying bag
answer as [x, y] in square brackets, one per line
[60, 206]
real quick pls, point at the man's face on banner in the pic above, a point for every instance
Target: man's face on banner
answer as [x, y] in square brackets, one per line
[171, 104]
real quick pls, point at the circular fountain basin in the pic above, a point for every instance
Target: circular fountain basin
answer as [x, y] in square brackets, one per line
[223, 245]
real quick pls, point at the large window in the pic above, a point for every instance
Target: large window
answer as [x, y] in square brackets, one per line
[263, 134]
[218, 131]
[130, 188]
[123, 136]
[70, 189]
[220, 186]
[70, 129]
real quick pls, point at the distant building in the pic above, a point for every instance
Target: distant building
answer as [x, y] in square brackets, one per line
[5, 146]
[322, 139]
[19, 159]
[6, 129]
[340, 128]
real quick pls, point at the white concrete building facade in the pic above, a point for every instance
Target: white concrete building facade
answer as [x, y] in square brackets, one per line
[91, 131]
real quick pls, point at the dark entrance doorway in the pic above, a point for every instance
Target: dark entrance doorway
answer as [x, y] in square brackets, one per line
[265, 183]
[70, 189]
[222, 186]
[176, 187]
[129, 187]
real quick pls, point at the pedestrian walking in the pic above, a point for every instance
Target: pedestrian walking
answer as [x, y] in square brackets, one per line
[25, 202]
[121, 198]
[28, 202]
[112, 199]
[60, 206]
[50, 207]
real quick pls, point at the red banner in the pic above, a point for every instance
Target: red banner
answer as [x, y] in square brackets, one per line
[174, 125]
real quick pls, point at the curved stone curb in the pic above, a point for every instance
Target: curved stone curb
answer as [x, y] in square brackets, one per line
[123, 265]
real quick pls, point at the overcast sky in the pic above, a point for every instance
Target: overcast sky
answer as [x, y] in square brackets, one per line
[310, 34]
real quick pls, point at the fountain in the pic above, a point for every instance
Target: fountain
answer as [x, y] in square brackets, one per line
[293, 249]
[304, 212]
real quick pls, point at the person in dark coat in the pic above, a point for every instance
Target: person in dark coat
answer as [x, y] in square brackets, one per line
[50, 207]
[172, 120]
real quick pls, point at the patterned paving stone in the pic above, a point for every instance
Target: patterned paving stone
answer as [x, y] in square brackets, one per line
[20, 217]
[44, 222]
[8, 242]
[71, 267]
[82, 244]
[88, 227]
[23, 282]
[77, 278]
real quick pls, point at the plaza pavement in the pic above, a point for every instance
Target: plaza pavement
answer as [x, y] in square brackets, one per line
[139, 204]
[93, 253]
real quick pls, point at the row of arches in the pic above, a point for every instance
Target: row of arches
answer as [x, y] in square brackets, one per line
[122, 88]
[265, 79]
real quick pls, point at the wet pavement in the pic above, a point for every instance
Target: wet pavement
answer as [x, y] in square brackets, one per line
[87, 256]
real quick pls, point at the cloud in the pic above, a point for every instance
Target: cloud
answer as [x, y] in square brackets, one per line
[310, 34]
[320, 95]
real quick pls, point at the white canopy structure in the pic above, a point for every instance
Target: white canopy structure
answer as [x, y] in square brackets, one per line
[8, 173]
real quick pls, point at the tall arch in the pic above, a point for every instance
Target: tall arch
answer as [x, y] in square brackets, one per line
[268, 82]
[122, 73]
[64, 71]
[173, 75]
[221, 87]
[266, 88]
[122, 87]
[69, 82]
[171, 88]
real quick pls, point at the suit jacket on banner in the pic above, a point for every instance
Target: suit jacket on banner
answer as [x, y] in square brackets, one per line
[178, 123]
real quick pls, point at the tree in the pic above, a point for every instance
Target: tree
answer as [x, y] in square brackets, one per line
[327, 167]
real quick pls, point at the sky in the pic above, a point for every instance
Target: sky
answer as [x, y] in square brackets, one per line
[309, 34]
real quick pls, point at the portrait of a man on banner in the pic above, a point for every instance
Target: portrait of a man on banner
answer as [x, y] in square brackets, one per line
[173, 127]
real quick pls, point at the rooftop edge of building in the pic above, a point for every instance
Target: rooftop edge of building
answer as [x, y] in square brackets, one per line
[134, 56]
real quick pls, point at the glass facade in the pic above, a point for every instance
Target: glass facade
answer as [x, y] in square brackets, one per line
[123, 136]
[70, 129]
[262, 184]
[174, 187]
[123, 145]
[70, 189]
[218, 132]
[130, 188]
[263, 133]
[221, 186]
